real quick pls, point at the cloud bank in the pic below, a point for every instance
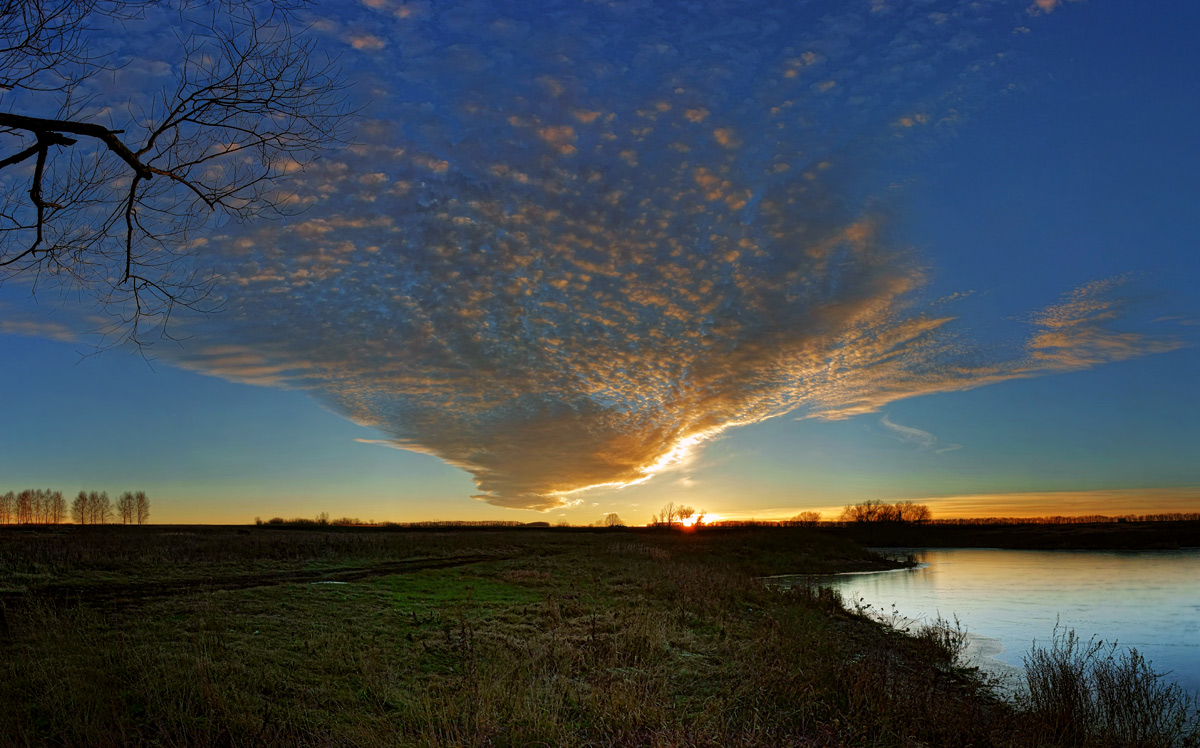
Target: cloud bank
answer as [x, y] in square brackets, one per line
[571, 246]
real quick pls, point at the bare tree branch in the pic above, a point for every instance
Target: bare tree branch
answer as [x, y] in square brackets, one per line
[253, 100]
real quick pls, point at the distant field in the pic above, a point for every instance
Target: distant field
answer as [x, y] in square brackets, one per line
[199, 636]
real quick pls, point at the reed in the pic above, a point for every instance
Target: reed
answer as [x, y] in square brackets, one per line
[1091, 693]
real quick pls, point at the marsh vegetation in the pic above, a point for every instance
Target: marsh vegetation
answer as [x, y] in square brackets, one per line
[120, 635]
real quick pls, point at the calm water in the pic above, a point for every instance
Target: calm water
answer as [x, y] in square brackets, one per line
[1144, 599]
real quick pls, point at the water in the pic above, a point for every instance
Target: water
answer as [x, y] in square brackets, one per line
[1149, 600]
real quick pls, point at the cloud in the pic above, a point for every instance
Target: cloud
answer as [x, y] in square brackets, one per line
[1079, 333]
[923, 439]
[39, 328]
[366, 42]
[1042, 7]
[565, 253]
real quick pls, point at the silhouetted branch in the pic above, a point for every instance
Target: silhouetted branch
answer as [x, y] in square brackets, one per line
[253, 100]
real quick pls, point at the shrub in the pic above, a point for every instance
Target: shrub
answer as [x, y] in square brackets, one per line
[1092, 694]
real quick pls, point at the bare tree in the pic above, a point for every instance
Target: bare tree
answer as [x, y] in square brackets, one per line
[57, 508]
[24, 508]
[908, 511]
[79, 509]
[98, 508]
[870, 510]
[612, 519]
[126, 508]
[105, 196]
[141, 506]
[807, 519]
[873, 510]
[37, 514]
[104, 508]
[7, 505]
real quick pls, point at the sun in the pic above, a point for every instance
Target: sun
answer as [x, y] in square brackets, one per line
[703, 519]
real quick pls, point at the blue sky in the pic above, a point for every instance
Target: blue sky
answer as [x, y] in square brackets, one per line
[757, 261]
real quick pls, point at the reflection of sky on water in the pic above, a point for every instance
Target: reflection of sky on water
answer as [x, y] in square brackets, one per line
[1149, 600]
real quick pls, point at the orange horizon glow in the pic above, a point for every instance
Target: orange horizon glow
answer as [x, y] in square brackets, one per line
[1015, 505]
[167, 509]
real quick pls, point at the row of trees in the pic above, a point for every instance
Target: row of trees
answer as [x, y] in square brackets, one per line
[91, 508]
[44, 507]
[32, 506]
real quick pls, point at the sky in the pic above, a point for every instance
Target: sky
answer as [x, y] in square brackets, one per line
[593, 257]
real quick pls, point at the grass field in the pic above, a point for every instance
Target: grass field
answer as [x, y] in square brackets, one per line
[118, 636]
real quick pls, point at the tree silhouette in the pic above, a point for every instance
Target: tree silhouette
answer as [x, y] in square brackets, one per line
[56, 508]
[24, 508]
[79, 509]
[32, 507]
[667, 516]
[612, 519]
[907, 511]
[141, 506]
[98, 508]
[104, 196]
[874, 510]
[672, 514]
[126, 508]
[807, 519]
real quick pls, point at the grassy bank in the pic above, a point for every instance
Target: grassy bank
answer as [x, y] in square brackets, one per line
[220, 637]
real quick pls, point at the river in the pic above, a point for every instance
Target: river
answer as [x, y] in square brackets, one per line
[1007, 599]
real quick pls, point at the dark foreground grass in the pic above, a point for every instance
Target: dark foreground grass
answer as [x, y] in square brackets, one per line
[507, 638]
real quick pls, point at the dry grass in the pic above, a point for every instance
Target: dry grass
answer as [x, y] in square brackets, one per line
[1093, 694]
[550, 638]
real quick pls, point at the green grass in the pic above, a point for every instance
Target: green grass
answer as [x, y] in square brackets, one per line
[477, 588]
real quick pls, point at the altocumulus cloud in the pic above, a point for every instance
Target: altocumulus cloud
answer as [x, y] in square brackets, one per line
[572, 245]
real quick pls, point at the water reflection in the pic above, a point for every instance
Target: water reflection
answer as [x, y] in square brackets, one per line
[1144, 599]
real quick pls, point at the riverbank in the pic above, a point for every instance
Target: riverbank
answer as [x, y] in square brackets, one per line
[232, 636]
[1139, 599]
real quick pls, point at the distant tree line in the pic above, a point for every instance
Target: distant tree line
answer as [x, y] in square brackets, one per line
[813, 519]
[45, 507]
[1080, 519]
[673, 516]
[32, 507]
[323, 519]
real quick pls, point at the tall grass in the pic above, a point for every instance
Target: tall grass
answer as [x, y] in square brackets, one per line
[1092, 694]
[575, 640]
